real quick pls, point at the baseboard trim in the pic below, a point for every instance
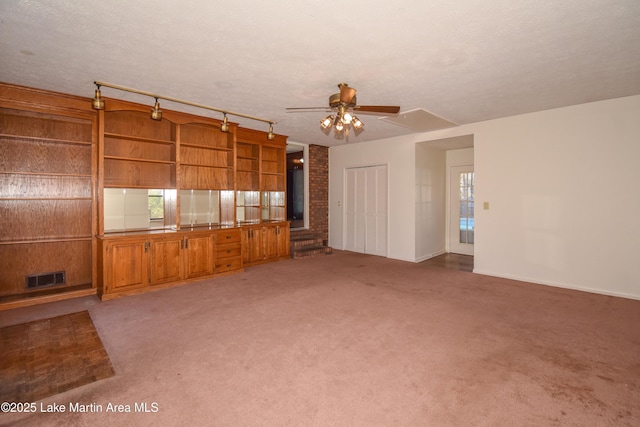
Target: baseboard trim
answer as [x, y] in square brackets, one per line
[557, 285]
[9, 305]
[429, 256]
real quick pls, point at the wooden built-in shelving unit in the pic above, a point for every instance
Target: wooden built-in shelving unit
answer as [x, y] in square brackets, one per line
[59, 160]
[47, 158]
[206, 157]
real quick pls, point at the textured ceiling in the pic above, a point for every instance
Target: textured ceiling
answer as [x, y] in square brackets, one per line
[465, 61]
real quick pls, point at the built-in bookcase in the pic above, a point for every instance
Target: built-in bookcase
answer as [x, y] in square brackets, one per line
[273, 168]
[248, 166]
[206, 157]
[138, 152]
[46, 200]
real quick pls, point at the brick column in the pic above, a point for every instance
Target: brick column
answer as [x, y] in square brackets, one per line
[319, 190]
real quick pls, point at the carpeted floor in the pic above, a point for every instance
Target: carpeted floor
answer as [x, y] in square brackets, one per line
[45, 357]
[357, 340]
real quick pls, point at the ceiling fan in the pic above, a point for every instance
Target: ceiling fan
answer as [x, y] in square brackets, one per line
[344, 105]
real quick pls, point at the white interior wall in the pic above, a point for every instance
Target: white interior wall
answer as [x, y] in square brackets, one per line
[430, 201]
[398, 154]
[562, 187]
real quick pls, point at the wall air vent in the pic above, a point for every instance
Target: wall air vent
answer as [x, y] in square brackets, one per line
[45, 279]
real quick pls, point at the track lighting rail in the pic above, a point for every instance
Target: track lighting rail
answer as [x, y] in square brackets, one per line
[181, 101]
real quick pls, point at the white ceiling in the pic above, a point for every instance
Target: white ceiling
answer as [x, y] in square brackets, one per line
[464, 61]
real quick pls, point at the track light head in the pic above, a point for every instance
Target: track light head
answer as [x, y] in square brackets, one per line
[156, 112]
[97, 103]
[224, 126]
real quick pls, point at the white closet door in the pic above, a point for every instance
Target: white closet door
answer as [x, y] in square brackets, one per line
[366, 210]
[354, 210]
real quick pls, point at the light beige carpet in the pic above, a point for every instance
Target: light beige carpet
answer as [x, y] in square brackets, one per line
[357, 340]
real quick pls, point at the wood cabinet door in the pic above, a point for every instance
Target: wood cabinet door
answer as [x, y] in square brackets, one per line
[270, 242]
[246, 250]
[283, 240]
[199, 256]
[166, 260]
[252, 248]
[257, 245]
[127, 266]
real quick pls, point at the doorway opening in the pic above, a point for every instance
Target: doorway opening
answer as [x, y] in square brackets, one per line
[462, 224]
[296, 187]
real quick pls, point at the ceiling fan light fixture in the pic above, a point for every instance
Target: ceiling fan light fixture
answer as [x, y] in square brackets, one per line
[347, 117]
[356, 123]
[327, 121]
[343, 104]
[338, 121]
[156, 112]
[270, 135]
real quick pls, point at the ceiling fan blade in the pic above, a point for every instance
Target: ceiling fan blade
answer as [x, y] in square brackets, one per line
[346, 93]
[381, 109]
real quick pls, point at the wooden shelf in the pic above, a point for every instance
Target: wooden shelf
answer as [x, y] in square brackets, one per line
[188, 144]
[47, 140]
[138, 138]
[135, 159]
[37, 156]
[48, 240]
[81, 175]
[206, 166]
[45, 198]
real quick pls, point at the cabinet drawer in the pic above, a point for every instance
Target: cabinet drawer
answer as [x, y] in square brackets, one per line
[228, 251]
[228, 264]
[224, 237]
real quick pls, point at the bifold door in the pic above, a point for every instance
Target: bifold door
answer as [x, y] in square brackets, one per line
[366, 210]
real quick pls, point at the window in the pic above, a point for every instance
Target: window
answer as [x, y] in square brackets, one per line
[466, 208]
[156, 204]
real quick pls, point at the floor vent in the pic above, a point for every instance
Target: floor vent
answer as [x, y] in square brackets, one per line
[45, 279]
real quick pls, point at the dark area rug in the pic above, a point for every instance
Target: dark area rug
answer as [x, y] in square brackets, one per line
[46, 357]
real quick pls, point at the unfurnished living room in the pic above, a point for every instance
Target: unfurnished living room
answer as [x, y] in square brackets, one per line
[329, 214]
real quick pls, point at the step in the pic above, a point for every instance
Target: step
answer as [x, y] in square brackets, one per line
[302, 236]
[311, 241]
[310, 251]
